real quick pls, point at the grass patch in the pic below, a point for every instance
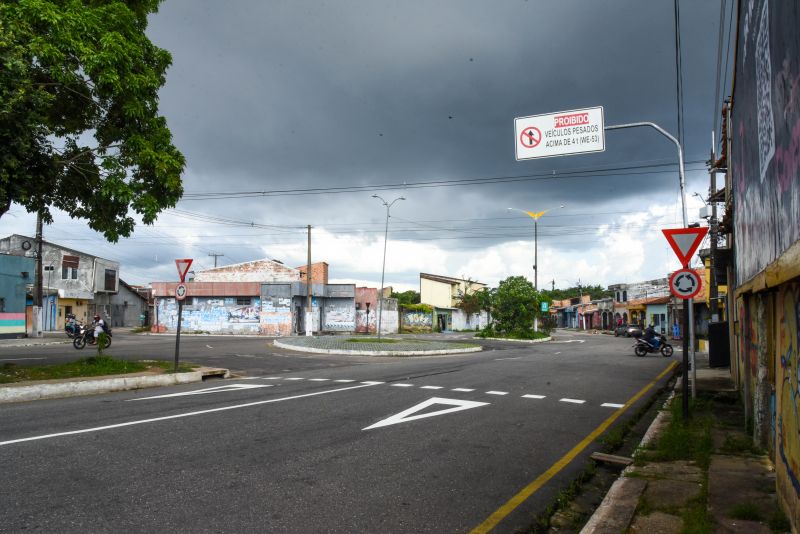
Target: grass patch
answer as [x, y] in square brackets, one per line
[91, 366]
[372, 340]
[778, 522]
[746, 511]
[735, 444]
[140, 329]
[690, 440]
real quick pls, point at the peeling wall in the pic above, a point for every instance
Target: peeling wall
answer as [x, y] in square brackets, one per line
[220, 315]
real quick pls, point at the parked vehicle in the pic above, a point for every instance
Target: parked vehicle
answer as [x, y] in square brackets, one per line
[72, 326]
[628, 330]
[642, 347]
[86, 337]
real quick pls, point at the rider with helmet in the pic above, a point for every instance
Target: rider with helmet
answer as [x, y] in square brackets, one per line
[99, 326]
[650, 336]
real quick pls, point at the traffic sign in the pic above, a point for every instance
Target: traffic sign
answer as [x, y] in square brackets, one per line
[545, 306]
[180, 291]
[685, 242]
[685, 283]
[183, 268]
[564, 133]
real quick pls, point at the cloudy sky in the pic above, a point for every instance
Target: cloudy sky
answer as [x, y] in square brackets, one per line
[308, 108]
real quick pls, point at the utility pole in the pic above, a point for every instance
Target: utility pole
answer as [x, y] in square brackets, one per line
[215, 257]
[553, 285]
[713, 290]
[309, 314]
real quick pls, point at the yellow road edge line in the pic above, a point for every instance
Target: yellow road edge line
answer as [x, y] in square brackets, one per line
[501, 513]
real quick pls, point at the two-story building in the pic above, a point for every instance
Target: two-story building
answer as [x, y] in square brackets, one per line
[72, 281]
[443, 293]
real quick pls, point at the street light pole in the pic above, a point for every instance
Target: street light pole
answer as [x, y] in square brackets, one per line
[535, 216]
[383, 268]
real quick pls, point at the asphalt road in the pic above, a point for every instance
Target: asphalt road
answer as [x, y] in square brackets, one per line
[337, 444]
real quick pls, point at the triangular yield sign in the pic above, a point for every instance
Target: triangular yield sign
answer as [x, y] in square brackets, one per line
[183, 267]
[685, 242]
[403, 416]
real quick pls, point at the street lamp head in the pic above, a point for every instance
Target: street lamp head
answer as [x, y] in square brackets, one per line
[561, 206]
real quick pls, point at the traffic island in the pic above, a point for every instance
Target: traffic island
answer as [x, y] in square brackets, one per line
[372, 346]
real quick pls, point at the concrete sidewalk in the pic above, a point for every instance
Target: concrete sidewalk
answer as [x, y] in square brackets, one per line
[734, 493]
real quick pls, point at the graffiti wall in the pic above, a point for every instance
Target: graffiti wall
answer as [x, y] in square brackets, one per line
[462, 321]
[765, 135]
[339, 315]
[416, 321]
[213, 315]
[787, 402]
[276, 316]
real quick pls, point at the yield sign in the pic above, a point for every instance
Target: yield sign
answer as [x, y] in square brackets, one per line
[405, 415]
[685, 242]
[183, 267]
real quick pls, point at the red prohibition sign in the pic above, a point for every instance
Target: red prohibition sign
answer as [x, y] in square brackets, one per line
[530, 137]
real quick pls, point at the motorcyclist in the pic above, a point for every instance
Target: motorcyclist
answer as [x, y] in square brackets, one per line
[99, 326]
[650, 336]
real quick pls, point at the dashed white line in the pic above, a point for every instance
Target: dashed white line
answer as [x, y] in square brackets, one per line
[559, 352]
[497, 392]
[501, 359]
[319, 379]
[466, 390]
[369, 383]
[295, 378]
[533, 396]
[430, 387]
[344, 380]
[573, 401]
[403, 385]
[611, 405]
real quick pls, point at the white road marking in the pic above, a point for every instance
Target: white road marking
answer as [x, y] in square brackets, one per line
[403, 416]
[533, 396]
[369, 383]
[559, 352]
[176, 416]
[611, 405]
[272, 378]
[431, 387]
[344, 380]
[501, 359]
[18, 359]
[497, 392]
[403, 385]
[465, 390]
[573, 401]
[571, 341]
[249, 378]
[209, 347]
[319, 379]
[218, 389]
[295, 378]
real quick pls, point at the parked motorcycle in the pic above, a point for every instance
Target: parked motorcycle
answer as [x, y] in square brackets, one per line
[86, 337]
[642, 347]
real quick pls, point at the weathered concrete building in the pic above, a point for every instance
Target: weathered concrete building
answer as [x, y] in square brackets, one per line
[72, 281]
[443, 293]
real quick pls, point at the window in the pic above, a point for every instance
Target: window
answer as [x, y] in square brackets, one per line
[49, 268]
[111, 280]
[2, 305]
[243, 301]
[69, 273]
[624, 296]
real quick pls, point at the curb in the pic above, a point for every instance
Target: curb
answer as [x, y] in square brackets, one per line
[9, 394]
[376, 352]
[541, 340]
[618, 506]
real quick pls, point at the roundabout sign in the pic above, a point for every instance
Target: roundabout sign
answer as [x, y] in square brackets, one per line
[685, 283]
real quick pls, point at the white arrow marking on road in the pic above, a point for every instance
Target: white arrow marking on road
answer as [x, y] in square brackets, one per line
[403, 416]
[571, 341]
[218, 389]
[209, 347]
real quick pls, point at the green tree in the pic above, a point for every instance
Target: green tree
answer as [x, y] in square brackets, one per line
[473, 301]
[79, 123]
[406, 297]
[514, 306]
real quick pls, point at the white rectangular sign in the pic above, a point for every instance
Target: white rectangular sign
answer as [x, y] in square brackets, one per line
[578, 131]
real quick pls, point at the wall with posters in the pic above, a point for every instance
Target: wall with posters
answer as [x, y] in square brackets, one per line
[765, 135]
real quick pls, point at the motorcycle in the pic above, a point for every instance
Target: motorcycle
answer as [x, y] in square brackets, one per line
[72, 328]
[86, 337]
[642, 347]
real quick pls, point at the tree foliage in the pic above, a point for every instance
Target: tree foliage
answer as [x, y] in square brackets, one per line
[79, 123]
[406, 297]
[515, 305]
[471, 302]
[596, 291]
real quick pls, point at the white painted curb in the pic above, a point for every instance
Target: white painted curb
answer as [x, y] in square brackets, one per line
[541, 340]
[377, 352]
[91, 387]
